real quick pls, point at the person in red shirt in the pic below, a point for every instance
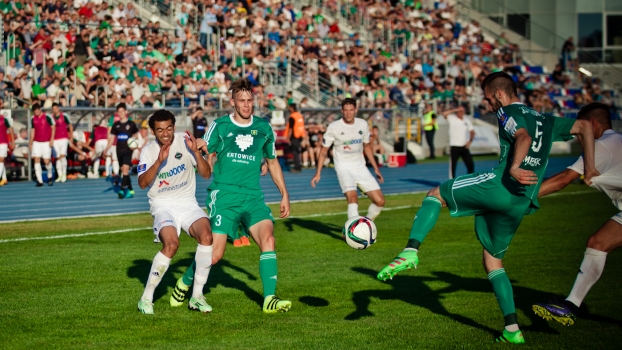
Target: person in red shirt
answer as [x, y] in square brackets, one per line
[41, 143]
[43, 38]
[61, 141]
[6, 142]
[71, 35]
[87, 10]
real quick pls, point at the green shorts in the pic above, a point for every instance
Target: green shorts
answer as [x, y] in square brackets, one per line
[497, 212]
[226, 210]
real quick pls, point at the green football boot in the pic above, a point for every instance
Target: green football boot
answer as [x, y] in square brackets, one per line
[511, 337]
[145, 306]
[179, 293]
[405, 260]
[273, 304]
[199, 304]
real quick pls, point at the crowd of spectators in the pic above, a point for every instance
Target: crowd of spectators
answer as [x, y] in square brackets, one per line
[92, 53]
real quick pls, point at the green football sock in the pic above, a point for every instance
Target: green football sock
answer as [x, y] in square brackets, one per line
[268, 271]
[424, 221]
[188, 277]
[503, 292]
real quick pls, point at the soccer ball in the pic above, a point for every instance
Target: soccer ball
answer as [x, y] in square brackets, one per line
[359, 232]
[132, 143]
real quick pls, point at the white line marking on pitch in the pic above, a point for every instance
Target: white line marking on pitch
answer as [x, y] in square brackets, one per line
[75, 235]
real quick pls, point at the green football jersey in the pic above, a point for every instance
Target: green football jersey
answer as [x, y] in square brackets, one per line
[544, 130]
[239, 149]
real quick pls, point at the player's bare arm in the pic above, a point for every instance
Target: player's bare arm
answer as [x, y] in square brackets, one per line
[521, 148]
[146, 178]
[277, 176]
[203, 166]
[52, 137]
[369, 153]
[585, 133]
[558, 182]
[320, 165]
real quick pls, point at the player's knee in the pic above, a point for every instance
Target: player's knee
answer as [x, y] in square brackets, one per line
[267, 243]
[216, 257]
[379, 201]
[596, 243]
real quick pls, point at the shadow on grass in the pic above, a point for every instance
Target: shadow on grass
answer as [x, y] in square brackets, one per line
[141, 268]
[330, 230]
[415, 291]
[314, 301]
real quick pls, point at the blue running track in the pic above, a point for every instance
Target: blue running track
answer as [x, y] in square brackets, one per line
[22, 201]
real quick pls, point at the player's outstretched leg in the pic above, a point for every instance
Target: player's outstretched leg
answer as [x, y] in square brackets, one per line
[377, 203]
[262, 233]
[160, 264]
[201, 230]
[424, 222]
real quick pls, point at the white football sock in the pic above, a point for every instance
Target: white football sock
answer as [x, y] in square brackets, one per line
[107, 165]
[96, 167]
[203, 259]
[590, 271]
[2, 171]
[115, 167]
[38, 172]
[158, 268]
[373, 211]
[353, 210]
[64, 166]
[59, 167]
[49, 169]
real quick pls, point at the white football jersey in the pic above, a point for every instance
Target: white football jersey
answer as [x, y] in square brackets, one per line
[608, 159]
[348, 141]
[176, 181]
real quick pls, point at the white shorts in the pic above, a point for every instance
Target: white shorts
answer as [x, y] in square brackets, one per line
[60, 147]
[178, 216]
[100, 147]
[350, 178]
[3, 150]
[41, 150]
[617, 218]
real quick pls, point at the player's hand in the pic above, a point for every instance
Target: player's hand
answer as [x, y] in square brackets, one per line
[468, 144]
[379, 176]
[284, 207]
[51, 143]
[201, 144]
[264, 169]
[12, 146]
[315, 180]
[163, 156]
[191, 142]
[589, 175]
[525, 177]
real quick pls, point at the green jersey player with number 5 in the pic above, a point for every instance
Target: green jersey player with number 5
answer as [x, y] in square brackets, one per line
[240, 141]
[499, 198]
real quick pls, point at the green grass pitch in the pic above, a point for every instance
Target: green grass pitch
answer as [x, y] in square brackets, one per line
[81, 292]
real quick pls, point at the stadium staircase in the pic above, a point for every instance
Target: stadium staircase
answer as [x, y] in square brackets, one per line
[536, 54]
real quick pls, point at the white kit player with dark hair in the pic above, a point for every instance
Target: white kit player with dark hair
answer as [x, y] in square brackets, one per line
[608, 160]
[167, 168]
[350, 139]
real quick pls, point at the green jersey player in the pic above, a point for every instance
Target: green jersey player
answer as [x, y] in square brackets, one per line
[500, 198]
[240, 141]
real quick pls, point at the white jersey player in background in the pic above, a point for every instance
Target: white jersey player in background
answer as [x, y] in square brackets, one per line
[167, 167]
[350, 137]
[608, 159]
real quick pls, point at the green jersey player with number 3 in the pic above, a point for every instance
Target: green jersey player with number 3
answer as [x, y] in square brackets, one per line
[240, 141]
[499, 198]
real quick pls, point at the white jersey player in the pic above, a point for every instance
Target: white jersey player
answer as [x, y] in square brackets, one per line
[608, 160]
[167, 168]
[349, 137]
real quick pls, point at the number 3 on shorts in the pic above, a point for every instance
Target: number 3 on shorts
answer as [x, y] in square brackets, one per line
[218, 220]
